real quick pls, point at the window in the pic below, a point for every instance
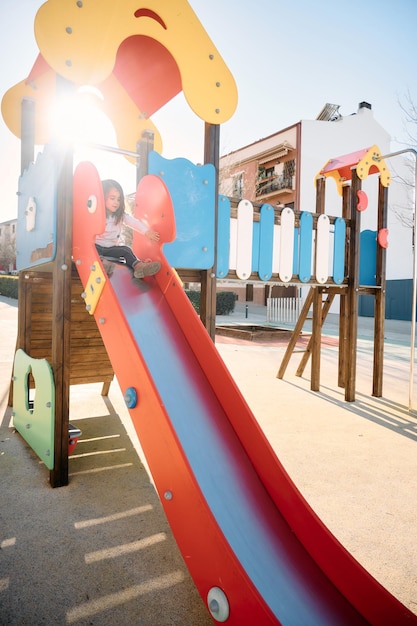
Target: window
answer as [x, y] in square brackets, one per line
[238, 185]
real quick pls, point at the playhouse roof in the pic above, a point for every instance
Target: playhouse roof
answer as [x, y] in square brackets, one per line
[139, 59]
[366, 161]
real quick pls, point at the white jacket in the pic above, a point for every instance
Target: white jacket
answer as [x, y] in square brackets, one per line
[111, 236]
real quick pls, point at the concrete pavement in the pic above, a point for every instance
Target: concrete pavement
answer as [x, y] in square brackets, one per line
[100, 551]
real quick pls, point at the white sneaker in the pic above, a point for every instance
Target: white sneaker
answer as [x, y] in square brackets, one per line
[142, 269]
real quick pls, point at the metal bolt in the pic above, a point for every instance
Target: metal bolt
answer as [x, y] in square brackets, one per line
[168, 495]
[68, 30]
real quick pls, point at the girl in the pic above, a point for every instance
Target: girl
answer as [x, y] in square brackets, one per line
[107, 243]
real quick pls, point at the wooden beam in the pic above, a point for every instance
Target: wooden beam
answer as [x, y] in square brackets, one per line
[352, 291]
[380, 296]
[143, 148]
[320, 195]
[208, 277]
[296, 333]
[61, 319]
[343, 304]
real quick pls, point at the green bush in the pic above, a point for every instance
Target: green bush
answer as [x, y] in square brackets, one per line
[225, 301]
[8, 286]
[194, 297]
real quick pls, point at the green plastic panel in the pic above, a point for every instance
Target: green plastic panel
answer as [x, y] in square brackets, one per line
[35, 423]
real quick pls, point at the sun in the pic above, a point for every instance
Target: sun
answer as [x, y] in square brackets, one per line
[78, 118]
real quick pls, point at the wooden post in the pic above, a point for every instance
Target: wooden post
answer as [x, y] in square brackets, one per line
[27, 155]
[61, 320]
[353, 288]
[343, 310]
[143, 148]
[320, 195]
[208, 277]
[380, 296]
[316, 340]
[61, 305]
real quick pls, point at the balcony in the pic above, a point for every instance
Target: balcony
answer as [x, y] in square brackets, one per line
[278, 185]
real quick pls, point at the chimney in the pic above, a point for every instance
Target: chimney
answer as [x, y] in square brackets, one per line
[365, 105]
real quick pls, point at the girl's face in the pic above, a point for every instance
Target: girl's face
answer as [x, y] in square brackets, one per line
[112, 200]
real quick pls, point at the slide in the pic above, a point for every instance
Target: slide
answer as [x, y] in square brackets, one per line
[257, 552]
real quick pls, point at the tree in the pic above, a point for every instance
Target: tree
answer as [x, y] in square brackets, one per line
[404, 211]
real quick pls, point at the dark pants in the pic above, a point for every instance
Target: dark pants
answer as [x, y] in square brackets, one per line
[121, 254]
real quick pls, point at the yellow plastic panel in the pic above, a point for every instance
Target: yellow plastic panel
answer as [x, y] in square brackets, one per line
[95, 286]
[372, 163]
[80, 41]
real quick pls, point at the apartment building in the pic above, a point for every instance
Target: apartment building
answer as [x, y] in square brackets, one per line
[280, 170]
[8, 246]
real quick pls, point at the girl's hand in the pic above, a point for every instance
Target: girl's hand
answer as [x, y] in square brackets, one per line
[152, 235]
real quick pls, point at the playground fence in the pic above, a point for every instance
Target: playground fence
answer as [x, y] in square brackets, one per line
[284, 310]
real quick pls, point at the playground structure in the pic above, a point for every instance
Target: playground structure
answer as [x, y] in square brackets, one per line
[255, 549]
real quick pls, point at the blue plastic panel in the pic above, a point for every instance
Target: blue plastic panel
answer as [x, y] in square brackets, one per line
[306, 241]
[36, 215]
[339, 250]
[266, 241]
[192, 189]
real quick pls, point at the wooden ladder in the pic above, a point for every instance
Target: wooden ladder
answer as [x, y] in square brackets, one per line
[320, 310]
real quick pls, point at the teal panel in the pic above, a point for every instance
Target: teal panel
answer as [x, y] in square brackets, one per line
[306, 243]
[339, 246]
[192, 189]
[266, 241]
[367, 260]
[35, 424]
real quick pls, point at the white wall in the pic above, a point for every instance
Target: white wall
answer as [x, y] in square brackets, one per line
[320, 141]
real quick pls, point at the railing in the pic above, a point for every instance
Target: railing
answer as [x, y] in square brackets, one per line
[284, 310]
[274, 183]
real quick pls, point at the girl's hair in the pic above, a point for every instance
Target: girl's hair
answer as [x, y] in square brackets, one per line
[113, 184]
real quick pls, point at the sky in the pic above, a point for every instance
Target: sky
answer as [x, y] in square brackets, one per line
[288, 59]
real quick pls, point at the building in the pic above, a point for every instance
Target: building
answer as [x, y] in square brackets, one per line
[8, 246]
[280, 170]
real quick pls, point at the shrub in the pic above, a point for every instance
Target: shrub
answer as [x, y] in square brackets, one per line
[8, 286]
[225, 301]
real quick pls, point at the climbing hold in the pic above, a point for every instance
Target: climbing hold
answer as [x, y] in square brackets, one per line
[362, 200]
[130, 397]
[383, 237]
